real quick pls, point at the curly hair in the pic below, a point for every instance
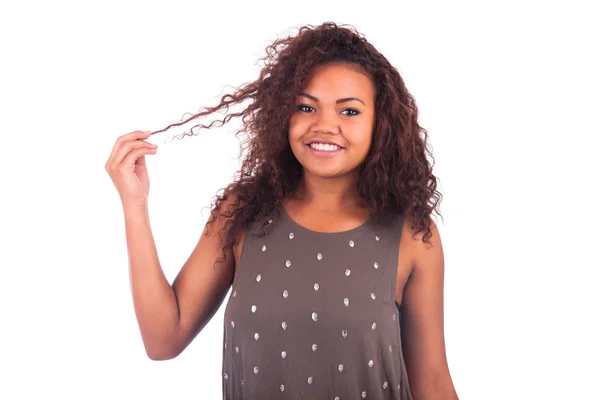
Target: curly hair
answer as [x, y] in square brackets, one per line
[395, 178]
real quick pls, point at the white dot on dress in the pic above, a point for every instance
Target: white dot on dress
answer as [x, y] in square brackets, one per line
[283, 355]
[256, 336]
[347, 272]
[376, 265]
[370, 363]
[288, 263]
[314, 316]
[258, 278]
[237, 349]
[351, 243]
[264, 247]
[225, 376]
[390, 348]
[374, 326]
[319, 256]
[341, 367]
[314, 347]
[373, 296]
[316, 286]
[385, 385]
[377, 238]
[282, 388]
[344, 334]
[346, 302]
[363, 395]
[310, 380]
[284, 325]
[253, 308]
[255, 370]
[232, 324]
[285, 294]
[291, 235]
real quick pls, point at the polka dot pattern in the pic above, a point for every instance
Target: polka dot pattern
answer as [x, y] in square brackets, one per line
[306, 305]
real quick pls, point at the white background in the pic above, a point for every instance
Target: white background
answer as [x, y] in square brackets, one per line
[508, 92]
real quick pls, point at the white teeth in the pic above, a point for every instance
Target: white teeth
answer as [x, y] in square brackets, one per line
[324, 147]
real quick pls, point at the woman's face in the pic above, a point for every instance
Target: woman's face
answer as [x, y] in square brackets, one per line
[337, 106]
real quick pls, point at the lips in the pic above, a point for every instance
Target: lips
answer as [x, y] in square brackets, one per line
[324, 142]
[324, 153]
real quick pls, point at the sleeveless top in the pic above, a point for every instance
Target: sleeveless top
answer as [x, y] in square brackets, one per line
[312, 315]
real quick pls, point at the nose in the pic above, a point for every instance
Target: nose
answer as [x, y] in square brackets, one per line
[326, 122]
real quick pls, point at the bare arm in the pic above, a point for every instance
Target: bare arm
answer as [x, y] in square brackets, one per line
[423, 323]
[171, 316]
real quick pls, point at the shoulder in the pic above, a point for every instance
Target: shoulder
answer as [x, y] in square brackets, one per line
[422, 254]
[222, 212]
[221, 219]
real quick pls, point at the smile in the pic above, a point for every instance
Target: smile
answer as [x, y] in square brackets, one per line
[324, 149]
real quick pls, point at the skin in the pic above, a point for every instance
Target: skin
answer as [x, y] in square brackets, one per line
[327, 192]
[326, 201]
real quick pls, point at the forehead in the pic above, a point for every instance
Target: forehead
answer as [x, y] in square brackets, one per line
[333, 81]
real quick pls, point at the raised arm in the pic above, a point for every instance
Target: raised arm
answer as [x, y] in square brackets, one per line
[171, 316]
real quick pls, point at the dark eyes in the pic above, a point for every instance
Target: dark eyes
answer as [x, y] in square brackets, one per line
[304, 107]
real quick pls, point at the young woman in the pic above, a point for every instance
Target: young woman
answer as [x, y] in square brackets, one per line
[325, 237]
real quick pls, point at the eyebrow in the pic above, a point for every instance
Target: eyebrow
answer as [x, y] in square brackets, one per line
[345, 99]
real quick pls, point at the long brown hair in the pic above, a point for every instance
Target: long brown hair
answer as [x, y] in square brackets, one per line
[395, 178]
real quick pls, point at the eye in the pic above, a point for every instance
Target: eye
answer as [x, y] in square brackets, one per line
[305, 108]
[302, 107]
[356, 112]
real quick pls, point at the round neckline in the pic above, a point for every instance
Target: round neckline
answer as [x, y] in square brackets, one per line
[302, 228]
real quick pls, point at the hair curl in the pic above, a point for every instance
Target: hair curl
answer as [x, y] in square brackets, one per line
[395, 177]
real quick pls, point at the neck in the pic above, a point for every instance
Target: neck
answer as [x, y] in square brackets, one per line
[328, 194]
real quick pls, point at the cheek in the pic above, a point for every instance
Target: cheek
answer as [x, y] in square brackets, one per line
[293, 135]
[296, 129]
[360, 139]
[295, 139]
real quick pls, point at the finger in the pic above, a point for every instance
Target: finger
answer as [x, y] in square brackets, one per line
[127, 148]
[134, 155]
[135, 135]
[120, 152]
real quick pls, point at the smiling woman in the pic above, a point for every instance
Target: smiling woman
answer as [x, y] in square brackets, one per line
[325, 237]
[334, 123]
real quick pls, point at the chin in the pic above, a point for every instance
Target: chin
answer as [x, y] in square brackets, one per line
[324, 172]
